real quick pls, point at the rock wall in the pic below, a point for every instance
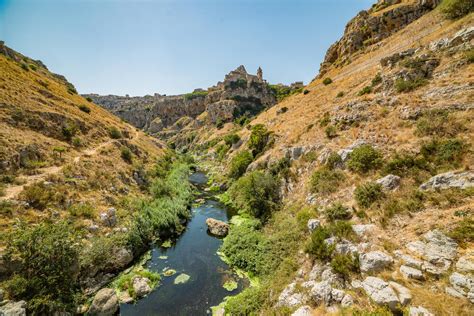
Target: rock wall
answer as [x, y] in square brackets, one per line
[240, 93]
[369, 27]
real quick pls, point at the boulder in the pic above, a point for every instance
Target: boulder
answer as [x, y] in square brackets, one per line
[313, 224]
[462, 283]
[418, 311]
[302, 311]
[13, 309]
[436, 248]
[380, 292]
[109, 218]
[461, 180]
[347, 300]
[217, 228]
[362, 230]
[404, 295]
[289, 297]
[466, 263]
[140, 286]
[389, 182]
[105, 303]
[411, 273]
[122, 257]
[374, 261]
[321, 293]
[409, 261]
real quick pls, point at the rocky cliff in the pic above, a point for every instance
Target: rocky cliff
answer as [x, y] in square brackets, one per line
[240, 94]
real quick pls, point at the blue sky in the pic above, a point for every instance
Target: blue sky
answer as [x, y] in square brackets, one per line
[171, 47]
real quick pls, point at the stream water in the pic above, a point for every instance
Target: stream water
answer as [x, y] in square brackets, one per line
[194, 254]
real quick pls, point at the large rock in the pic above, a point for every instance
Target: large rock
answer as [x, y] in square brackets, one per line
[109, 217]
[374, 261]
[321, 293]
[217, 228]
[380, 292]
[436, 248]
[140, 286]
[363, 230]
[105, 303]
[411, 273]
[461, 180]
[303, 311]
[290, 297]
[419, 311]
[123, 257]
[13, 309]
[466, 263]
[389, 182]
[463, 285]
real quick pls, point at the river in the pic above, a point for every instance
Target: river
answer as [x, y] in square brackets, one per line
[193, 254]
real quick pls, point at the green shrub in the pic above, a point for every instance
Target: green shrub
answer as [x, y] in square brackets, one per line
[281, 168]
[125, 280]
[89, 99]
[248, 302]
[219, 123]
[402, 85]
[69, 130]
[231, 139]
[239, 164]
[2, 189]
[221, 151]
[469, 54]
[325, 120]
[337, 211]
[403, 164]
[115, 133]
[37, 196]
[256, 194]
[330, 131]
[325, 180]
[195, 94]
[444, 153]
[341, 229]
[463, 232]
[76, 142]
[364, 159]
[281, 92]
[84, 108]
[334, 160]
[340, 94]
[259, 139]
[365, 90]
[377, 79]
[305, 91]
[126, 154]
[82, 210]
[70, 88]
[98, 257]
[46, 257]
[454, 9]
[327, 81]
[368, 193]
[25, 67]
[345, 264]
[245, 248]
[438, 123]
[317, 248]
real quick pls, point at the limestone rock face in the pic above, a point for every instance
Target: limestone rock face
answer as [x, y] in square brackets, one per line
[436, 248]
[461, 180]
[216, 227]
[374, 261]
[105, 303]
[367, 28]
[13, 309]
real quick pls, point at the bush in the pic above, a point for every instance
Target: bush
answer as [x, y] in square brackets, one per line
[454, 9]
[84, 108]
[69, 130]
[402, 85]
[340, 94]
[231, 139]
[259, 139]
[368, 193]
[330, 131]
[89, 99]
[364, 158]
[403, 164]
[245, 248]
[345, 264]
[438, 123]
[341, 229]
[85, 210]
[239, 164]
[377, 79]
[463, 232]
[37, 196]
[305, 91]
[334, 160]
[327, 81]
[76, 142]
[256, 194]
[469, 54]
[444, 153]
[2, 189]
[46, 259]
[337, 211]
[195, 94]
[365, 90]
[221, 151]
[325, 120]
[126, 154]
[325, 180]
[219, 123]
[248, 302]
[317, 248]
[25, 67]
[125, 281]
[115, 133]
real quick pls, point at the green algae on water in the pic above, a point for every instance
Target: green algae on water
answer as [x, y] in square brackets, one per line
[181, 279]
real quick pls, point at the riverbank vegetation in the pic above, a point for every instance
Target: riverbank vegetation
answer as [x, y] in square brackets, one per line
[53, 263]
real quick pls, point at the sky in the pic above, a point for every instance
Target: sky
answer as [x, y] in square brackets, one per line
[140, 47]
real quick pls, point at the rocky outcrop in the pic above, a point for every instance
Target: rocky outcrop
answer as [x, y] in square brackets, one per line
[389, 182]
[368, 28]
[240, 93]
[217, 228]
[105, 303]
[374, 261]
[388, 294]
[13, 309]
[461, 180]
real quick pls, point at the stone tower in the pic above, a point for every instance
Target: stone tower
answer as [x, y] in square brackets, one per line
[260, 73]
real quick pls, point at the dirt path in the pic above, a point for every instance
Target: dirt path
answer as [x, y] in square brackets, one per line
[12, 192]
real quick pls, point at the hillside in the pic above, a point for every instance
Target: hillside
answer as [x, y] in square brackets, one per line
[377, 153]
